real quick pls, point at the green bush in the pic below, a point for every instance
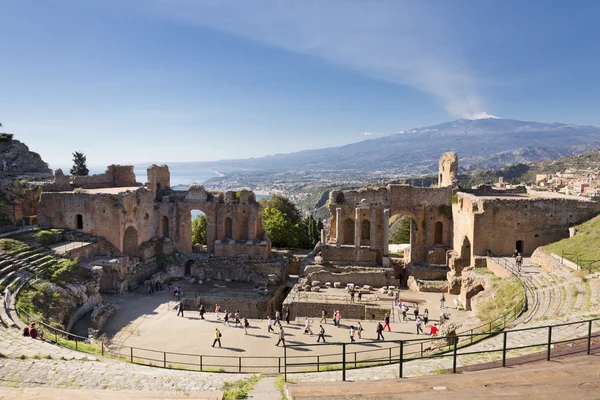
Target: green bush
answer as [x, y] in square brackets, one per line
[47, 237]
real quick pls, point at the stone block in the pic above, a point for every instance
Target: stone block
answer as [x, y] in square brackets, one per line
[227, 280]
[315, 289]
[391, 287]
[368, 287]
[383, 290]
[328, 284]
[316, 284]
[337, 285]
[307, 288]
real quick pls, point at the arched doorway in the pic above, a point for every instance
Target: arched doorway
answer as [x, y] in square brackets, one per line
[439, 233]
[243, 228]
[348, 229]
[188, 268]
[130, 241]
[165, 227]
[228, 228]
[465, 252]
[79, 221]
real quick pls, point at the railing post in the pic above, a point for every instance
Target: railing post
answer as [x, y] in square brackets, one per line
[490, 327]
[278, 365]
[318, 363]
[504, 350]
[131, 354]
[344, 362]
[589, 343]
[55, 337]
[164, 359]
[471, 336]
[390, 354]
[354, 359]
[454, 356]
[75, 344]
[549, 342]
[421, 349]
[240, 365]
[401, 361]
[102, 345]
[284, 364]
[200, 363]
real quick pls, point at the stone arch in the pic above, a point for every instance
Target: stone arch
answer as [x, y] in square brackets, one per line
[365, 230]
[228, 228]
[465, 252]
[348, 231]
[130, 241]
[243, 228]
[165, 226]
[439, 232]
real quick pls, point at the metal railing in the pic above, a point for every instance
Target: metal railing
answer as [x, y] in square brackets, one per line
[396, 353]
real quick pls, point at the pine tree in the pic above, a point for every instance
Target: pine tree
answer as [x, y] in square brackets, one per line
[79, 164]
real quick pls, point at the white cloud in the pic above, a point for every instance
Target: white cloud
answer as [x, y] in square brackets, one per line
[480, 115]
[406, 43]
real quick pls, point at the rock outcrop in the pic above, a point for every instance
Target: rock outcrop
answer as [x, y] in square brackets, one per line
[13, 151]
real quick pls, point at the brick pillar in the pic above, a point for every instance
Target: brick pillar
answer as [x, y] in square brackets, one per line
[386, 228]
[357, 228]
[338, 227]
[373, 226]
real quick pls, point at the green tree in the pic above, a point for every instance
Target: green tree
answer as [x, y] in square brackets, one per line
[402, 233]
[199, 229]
[281, 231]
[79, 165]
[284, 205]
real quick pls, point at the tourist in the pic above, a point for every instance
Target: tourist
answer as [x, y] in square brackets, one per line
[287, 315]
[519, 261]
[442, 300]
[416, 312]
[426, 316]
[337, 317]
[419, 322]
[352, 334]
[26, 331]
[323, 317]
[277, 322]
[434, 330]
[217, 311]
[180, 308]
[352, 295]
[396, 297]
[202, 311]
[359, 296]
[380, 331]
[386, 321]
[237, 317]
[307, 326]
[281, 337]
[515, 254]
[170, 285]
[33, 333]
[226, 318]
[217, 337]
[246, 325]
[359, 330]
[321, 334]
[270, 325]
[404, 311]
[7, 298]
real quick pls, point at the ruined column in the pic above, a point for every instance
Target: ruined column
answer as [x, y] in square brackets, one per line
[373, 226]
[357, 228]
[338, 227]
[386, 228]
[322, 236]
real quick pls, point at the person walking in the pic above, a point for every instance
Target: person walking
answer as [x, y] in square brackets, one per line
[404, 311]
[359, 330]
[519, 261]
[419, 322]
[281, 337]
[217, 311]
[277, 315]
[202, 311]
[270, 325]
[442, 300]
[246, 325]
[323, 317]
[380, 331]
[426, 316]
[217, 337]
[338, 317]
[307, 326]
[237, 317]
[352, 295]
[321, 334]
[7, 298]
[226, 318]
[416, 312]
[352, 334]
[287, 315]
[359, 296]
[386, 321]
[180, 308]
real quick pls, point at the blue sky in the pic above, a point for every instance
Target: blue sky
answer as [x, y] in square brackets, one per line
[192, 80]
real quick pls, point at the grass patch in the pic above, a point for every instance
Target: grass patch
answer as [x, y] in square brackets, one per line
[239, 389]
[12, 246]
[48, 237]
[582, 246]
[440, 371]
[509, 293]
[483, 271]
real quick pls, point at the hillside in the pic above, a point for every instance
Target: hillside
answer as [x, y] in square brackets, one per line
[13, 151]
[583, 248]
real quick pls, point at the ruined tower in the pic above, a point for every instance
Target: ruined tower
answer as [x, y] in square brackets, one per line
[448, 175]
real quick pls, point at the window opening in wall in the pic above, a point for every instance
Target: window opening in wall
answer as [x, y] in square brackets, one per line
[79, 221]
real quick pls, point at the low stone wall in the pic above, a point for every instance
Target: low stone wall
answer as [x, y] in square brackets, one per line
[303, 309]
[255, 308]
[544, 260]
[376, 277]
[86, 307]
[349, 254]
[101, 314]
[251, 250]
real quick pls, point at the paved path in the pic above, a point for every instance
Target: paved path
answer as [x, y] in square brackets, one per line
[265, 390]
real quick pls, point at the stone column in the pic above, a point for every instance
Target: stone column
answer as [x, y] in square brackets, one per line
[338, 227]
[357, 226]
[322, 236]
[386, 228]
[373, 226]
